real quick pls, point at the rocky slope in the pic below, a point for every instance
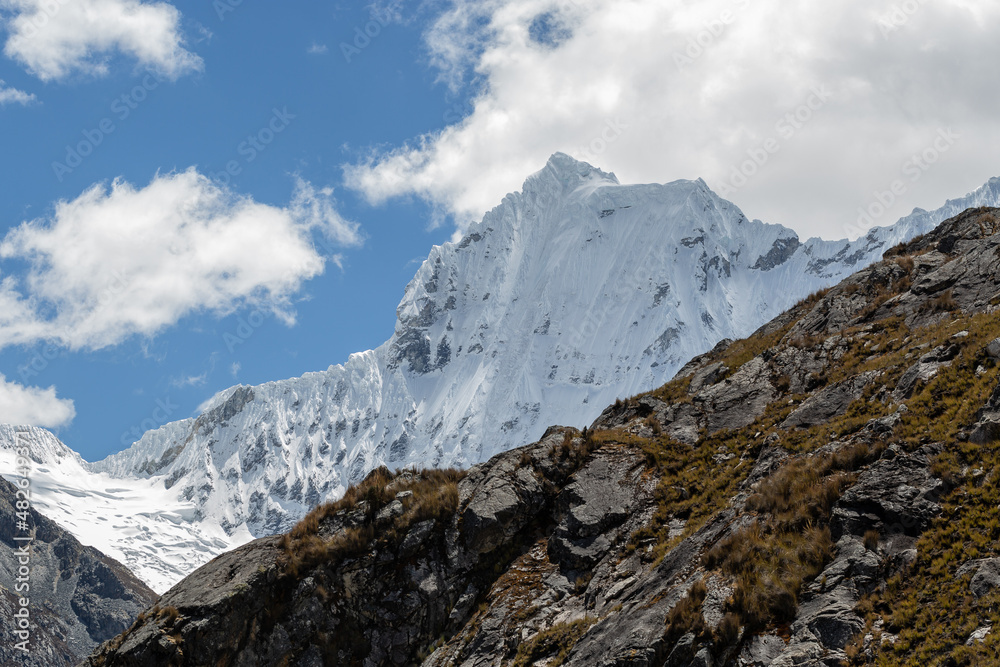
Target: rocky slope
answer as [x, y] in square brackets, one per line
[821, 493]
[571, 293]
[77, 597]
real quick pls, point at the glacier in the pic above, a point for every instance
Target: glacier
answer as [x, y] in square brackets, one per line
[571, 293]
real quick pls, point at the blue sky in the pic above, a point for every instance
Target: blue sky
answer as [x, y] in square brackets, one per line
[256, 60]
[130, 258]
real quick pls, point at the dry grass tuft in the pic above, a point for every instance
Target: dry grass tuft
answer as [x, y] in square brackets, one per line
[435, 496]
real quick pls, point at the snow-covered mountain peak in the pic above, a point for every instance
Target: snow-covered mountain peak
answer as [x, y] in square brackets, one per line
[568, 174]
[573, 292]
[43, 448]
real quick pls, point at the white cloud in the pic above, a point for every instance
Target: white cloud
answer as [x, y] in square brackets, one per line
[626, 85]
[119, 261]
[32, 406]
[318, 49]
[10, 95]
[55, 38]
[190, 381]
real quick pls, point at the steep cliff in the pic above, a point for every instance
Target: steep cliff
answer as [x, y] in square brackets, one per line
[77, 597]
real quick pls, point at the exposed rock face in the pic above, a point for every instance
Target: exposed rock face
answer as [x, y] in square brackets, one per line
[926, 368]
[739, 516]
[78, 597]
[830, 402]
[897, 495]
[988, 427]
[429, 587]
[567, 562]
[986, 577]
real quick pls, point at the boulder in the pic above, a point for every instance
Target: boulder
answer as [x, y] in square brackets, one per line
[592, 506]
[987, 427]
[738, 400]
[895, 495]
[831, 402]
[986, 577]
[925, 369]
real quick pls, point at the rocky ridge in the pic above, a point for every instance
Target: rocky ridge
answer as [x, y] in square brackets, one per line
[573, 292]
[824, 492]
[79, 598]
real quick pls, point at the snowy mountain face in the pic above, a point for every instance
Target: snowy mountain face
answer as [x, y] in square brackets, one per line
[137, 521]
[570, 294]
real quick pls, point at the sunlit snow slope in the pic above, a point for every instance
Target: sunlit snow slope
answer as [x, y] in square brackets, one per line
[570, 294]
[136, 521]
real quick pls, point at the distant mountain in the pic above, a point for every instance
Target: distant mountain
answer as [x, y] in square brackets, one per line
[569, 294]
[136, 521]
[77, 596]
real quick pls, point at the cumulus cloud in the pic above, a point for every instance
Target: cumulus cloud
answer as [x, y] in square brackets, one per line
[119, 261]
[55, 38]
[844, 94]
[31, 406]
[10, 95]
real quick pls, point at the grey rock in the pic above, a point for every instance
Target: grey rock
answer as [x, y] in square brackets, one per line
[78, 596]
[595, 503]
[780, 252]
[986, 430]
[769, 460]
[830, 402]
[853, 562]
[390, 512]
[707, 376]
[987, 426]
[714, 607]
[986, 578]
[415, 537]
[830, 617]
[740, 399]
[682, 653]
[761, 651]
[925, 369]
[702, 658]
[979, 635]
[895, 495]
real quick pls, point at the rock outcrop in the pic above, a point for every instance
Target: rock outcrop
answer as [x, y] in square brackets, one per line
[77, 597]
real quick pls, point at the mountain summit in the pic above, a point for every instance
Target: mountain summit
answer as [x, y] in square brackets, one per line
[824, 492]
[569, 294]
